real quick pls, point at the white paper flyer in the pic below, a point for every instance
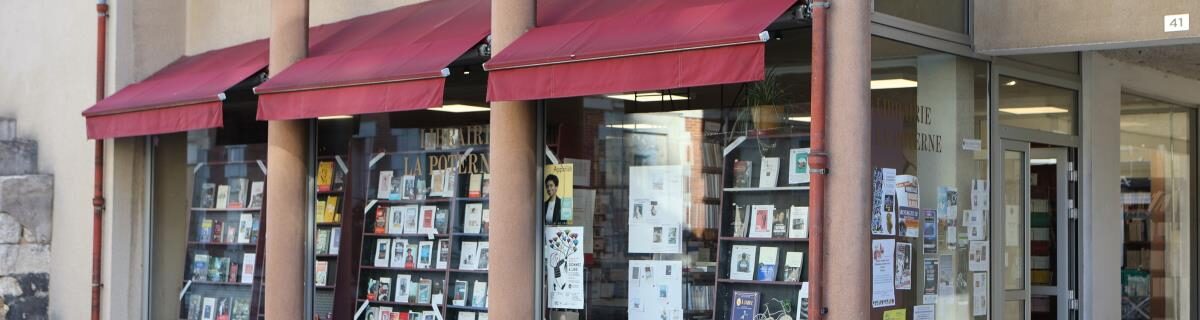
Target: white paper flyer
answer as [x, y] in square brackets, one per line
[883, 290]
[979, 294]
[564, 267]
[656, 209]
[655, 289]
[977, 254]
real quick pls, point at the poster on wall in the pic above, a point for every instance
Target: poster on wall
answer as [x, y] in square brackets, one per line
[947, 212]
[557, 200]
[903, 266]
[929, 231]
[798, 166]
[979, 294]
[909, 222]
[883, 288]
[883, 206]
[656, 198]
[563, 250]
[931, 278]
[655, 289]
[907, 191]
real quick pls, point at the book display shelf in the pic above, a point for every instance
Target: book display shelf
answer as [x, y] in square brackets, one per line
[331, 199]
[425, 235]
[763, 243]
[225, 233]
[1140, 246]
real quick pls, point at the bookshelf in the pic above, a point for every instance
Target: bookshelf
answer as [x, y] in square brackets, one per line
[224, 234]
[330, 203]
[747, 194]
[430, 193]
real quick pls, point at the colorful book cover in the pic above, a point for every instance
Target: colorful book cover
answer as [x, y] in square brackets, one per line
[424, 254]
[460, 293]
[768, 264]
[909, 222]
[475, 186]
[256, 194]
[793, 266]
[222, 201]
[324, 175]
[200, 267]
[248, 265]
[744, 305]
[443, 254]
[479, 296]
[321, 271]
[742, 262]
[741, 173]
[237, 193]
[245, 227]
[380, 220]
[384, 190]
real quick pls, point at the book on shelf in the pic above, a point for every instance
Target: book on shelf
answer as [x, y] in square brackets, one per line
[254, 231]
[324, 175]
[481, 256]
[410, 256]
[441, 220]
[237, 192]
[385, 313]
[460, 293]
[487, 179]
[479, 295]
[383, 292]
[741, 173]
[231, 234]
[200, 267]
[466, 255]
[319, 211]
[245, 227]
[466, 315]
[793, 266]
[411, 216]
[437, 181]
[485, 225]
[475, 186]
[744, 305]
[424, 254]
[768, 264]
[384, 189]
[210, 309]
[428, 214]
[424, 291]
[339, 174]
[407, 188]
[217, 231]
[195, 306]
[208, 195]
[473, 218]
[330, 211]
[768, 176]
[741, 264]
[321, 272]
[802, 302]
[335, 239]
[403, 288]
[222, 201]
[429, 315]
[322, 241]
[741, 221]
[205, 232]
[779, 225]
[798, 222]
[216, 269]
[380, 226]
[382, 246]
[482, 316]
[450, 183]
[248, 266]
[443, 254]
[763, 217]
[395, 220]
[798, 165]
[372, 284]
[256, 194]
[399, 246]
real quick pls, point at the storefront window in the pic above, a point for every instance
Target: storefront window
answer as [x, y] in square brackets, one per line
[930, 231]
[1031, 105]
[945, 14]
[656, 203]
[1156, 198]
[207, 219]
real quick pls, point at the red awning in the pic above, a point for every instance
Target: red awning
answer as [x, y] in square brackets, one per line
[185, 95]
[586, 47]
[389, 61]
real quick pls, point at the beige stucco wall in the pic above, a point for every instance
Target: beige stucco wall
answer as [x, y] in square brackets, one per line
[1020, 26]
[210, 24]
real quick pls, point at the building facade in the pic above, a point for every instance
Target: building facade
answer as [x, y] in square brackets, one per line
[366, 159]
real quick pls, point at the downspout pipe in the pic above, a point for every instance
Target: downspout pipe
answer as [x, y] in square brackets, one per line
[818, 161]
[98, 179]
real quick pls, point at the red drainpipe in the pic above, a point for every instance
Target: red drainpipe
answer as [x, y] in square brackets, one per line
[98, 180]
[818, 163]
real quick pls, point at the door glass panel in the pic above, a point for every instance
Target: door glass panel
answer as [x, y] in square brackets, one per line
[1014, 310]
[1043, 192]
[1014, 220]
[1032, 105]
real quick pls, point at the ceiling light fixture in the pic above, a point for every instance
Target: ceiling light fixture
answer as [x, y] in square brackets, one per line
[459, 108]
[1035, 110]
[335, 117]
[633, 126]
[647, 97]
[801, 119]
[897, 83]
[1010, 83]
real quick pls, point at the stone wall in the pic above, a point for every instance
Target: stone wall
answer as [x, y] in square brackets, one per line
[26, 198]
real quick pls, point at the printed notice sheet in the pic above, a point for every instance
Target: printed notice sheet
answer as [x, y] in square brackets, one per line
[564, 267]
[656, 198]
[883, 289]
[655, 289]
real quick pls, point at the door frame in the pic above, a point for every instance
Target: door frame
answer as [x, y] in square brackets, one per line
[1067, 225]
[997, 233]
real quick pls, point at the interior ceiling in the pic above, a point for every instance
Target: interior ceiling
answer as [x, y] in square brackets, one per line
[1181, 60]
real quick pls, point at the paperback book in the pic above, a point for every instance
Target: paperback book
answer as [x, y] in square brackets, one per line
[742, 263]
[256, 194]
[768, 264]
[768, 177]
[479, 295]
[744, 305]
[793, 266]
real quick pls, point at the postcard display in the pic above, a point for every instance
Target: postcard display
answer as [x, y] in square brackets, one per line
[222, 280]
[327, 229]
[763, 244]
[425, 238]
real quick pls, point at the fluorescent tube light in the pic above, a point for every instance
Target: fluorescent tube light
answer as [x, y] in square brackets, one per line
[801, 119]
[1034, 110]
[335, 117]
[647, 97]
[1042, 162]
[633, 126]
[459, 108]
[897, 83]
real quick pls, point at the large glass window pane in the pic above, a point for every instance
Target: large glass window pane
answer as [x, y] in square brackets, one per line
[1156, 197]
[946, 14]
[1015, 192]
[1031, 105]
[929, 124]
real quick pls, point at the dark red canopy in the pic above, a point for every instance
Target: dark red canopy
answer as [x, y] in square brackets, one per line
[389, 61]
[585, 47]
[185, 95]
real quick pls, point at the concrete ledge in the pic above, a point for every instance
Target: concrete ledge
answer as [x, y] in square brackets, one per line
[30, 200]
[17, 156]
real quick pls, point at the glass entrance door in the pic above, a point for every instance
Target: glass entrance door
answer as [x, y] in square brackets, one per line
[1011, 227]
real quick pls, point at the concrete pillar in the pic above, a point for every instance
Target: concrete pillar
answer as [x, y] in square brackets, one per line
[286, 175]
[1101, 226]
[848, 199]
[514, 195]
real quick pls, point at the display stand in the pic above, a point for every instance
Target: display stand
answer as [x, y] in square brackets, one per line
[332, 173]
